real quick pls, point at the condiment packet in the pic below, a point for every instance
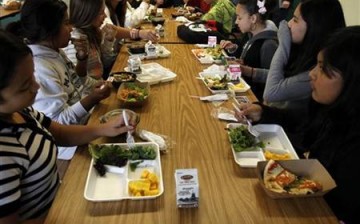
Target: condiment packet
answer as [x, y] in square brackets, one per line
[227, 117]
[149, 136]
[223, 113]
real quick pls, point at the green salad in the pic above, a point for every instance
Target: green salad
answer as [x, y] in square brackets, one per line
[242, 140]
[116, 155]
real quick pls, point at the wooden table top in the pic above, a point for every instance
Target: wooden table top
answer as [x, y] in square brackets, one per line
[228, 193]
[7, 13]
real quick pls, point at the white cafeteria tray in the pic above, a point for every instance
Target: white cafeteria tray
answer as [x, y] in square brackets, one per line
[272, 135]
[154, 73]
[203, 75]
[165, 53]
[114, 185]
[204, 58]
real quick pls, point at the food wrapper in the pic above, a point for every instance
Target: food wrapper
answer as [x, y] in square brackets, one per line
[216, 97]
[223, 113]
[163, 141]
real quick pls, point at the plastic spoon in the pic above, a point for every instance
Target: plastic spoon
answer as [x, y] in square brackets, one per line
[129, 138]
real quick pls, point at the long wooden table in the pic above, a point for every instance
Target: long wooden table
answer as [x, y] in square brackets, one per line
[4, 13]
[228, 193]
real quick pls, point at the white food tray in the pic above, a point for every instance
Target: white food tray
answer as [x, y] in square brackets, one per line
[161, 52]
[208, 74]
[154, 73]
[272, 135]
[114, 185]
[203, 57]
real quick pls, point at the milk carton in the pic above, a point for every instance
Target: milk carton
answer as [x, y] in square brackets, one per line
[187, 188]
[234, 72]
[150, 49]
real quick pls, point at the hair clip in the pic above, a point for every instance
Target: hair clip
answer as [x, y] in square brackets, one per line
[261, 5]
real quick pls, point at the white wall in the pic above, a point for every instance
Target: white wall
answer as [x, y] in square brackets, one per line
[351, 11]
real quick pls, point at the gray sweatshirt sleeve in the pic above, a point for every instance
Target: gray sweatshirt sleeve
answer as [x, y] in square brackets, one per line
[266, 54]
[52, 99]
[277, 87]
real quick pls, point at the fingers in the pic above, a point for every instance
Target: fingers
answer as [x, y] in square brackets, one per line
[101, 91]
[148, 35]
[152, 36]
[116, 126]
[81, 45]
[225, 44]
[109, 31]
[251, 111]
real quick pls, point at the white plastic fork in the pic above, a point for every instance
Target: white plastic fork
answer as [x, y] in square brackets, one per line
[129, 138]
[250, 127]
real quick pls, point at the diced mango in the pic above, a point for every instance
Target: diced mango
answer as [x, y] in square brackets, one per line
[153, 186]
[151, 192]
[153, 178]
[147, 186]
[145, 174]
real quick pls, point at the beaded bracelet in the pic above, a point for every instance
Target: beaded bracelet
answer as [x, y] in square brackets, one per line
[134, 33]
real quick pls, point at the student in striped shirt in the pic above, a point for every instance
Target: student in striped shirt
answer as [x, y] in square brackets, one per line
[28, 139]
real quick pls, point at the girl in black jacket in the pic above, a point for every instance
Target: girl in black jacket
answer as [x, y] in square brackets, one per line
[332, 128]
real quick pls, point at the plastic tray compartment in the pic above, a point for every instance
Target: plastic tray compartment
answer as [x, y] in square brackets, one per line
[154, 73]
[203, 57]
[114, 185]
[213, 74]
[272, 135]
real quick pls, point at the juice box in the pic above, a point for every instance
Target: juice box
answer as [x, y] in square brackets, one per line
[187, 188]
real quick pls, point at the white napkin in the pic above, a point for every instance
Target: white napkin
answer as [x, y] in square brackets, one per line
[215, 68]
[150, 136]
[227, 117]
[216, 97]
[66, 153]
[182, 19]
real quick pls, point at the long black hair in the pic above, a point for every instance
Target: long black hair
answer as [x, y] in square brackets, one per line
[82, 14]
[12, 51]
[118, 13]
[341, 54]
[39, 20]
[322, 17]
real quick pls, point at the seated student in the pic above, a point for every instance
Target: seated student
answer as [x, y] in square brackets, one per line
[261, 44]
[123, 14]
[288, 83]
[28, 172]
[117, 13]
[87, 18]
[134, 16]
[222, 11]
[332, 132]
[67, 94]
